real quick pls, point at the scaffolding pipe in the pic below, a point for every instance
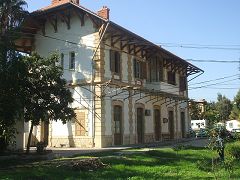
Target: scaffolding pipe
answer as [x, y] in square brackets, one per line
[93, 87]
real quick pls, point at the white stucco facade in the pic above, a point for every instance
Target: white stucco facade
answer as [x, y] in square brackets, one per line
[113, 107]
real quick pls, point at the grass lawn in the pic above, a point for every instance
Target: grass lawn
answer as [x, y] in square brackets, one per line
[161, 163]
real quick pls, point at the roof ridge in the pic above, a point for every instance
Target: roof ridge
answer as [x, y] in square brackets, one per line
[63, 3]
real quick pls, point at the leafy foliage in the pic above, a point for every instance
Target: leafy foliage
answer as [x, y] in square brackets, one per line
[233, 150]
[235, 113]
[224, 107]
[195, 111]
[12, 14]
[211, 114]
[46, 96]
[237, 100]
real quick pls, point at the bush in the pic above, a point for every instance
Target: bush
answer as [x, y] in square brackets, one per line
[7, 137]
[233, 150]
[3, 145]
[206, 164]
[40, 147]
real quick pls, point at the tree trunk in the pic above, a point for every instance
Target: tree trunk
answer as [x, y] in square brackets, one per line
[29, 139]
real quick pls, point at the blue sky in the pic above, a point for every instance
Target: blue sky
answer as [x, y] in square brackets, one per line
[205, 22]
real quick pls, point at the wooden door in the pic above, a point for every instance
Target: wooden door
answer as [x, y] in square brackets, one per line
[117, 125]
[183, 124]
[157, 120]
[171, 124]
[140, 125]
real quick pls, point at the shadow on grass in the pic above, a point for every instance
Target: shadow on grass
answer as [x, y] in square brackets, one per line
[153, 164]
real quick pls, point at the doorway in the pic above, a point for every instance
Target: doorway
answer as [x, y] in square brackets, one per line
[117, 116]
[183, 124]
[171, 124]
[140, 125]
[157, 122]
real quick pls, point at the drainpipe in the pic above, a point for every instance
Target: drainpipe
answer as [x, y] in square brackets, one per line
[93, 86]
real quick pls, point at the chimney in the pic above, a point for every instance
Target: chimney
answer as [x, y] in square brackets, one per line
[104, 12]
[58, 2]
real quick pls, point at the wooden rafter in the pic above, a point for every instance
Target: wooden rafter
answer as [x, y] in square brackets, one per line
[92, 19]
[80, 15]
[115, 39]
[65, 17]
[141, 48]
[53, 21]
[42, 25]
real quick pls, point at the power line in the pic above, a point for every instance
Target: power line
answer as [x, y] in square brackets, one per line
[212, 61]
[201, 46]
[196, 44]
[215, 79]
[213, 84]
[219, 88]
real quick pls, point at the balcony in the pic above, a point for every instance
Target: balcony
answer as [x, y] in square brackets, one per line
[164, 87]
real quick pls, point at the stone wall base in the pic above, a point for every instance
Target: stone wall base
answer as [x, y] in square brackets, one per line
[148, 138]
[80, 142]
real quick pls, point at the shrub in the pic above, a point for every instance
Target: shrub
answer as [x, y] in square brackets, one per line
[40, 147]
[181, 147]
[233, 150]
[204, 165]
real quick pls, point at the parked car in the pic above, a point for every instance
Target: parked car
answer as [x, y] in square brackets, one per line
[191, 132]
[201, 133]
[235, 133]
[229, 135]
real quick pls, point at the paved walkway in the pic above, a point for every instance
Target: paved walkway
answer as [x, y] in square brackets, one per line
[69, 152]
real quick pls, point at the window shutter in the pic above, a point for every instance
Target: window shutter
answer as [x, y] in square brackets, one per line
[183, 83]
[80, 129]
[143, 66]
[118, 62]
[112, 60]
[135, 67]
[160, 71]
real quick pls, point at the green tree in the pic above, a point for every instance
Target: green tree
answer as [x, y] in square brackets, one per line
[12, 14]
[235, 113]
[224, 107]
[211, 114]
[237, 100]
[195, 110]
[46, 97]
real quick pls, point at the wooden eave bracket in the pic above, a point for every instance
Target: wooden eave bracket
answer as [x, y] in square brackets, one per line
[95, 23]
[116, 40]
[80, 16]
[66, 17]
[53, 21]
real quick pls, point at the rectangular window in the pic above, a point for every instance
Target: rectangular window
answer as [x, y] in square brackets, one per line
[230, 125]
[72, 60]
[115, 62]
[183, 83]
[156, 70]
[62, 60]
[80, 129]
[171, 78]
[137, 68]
